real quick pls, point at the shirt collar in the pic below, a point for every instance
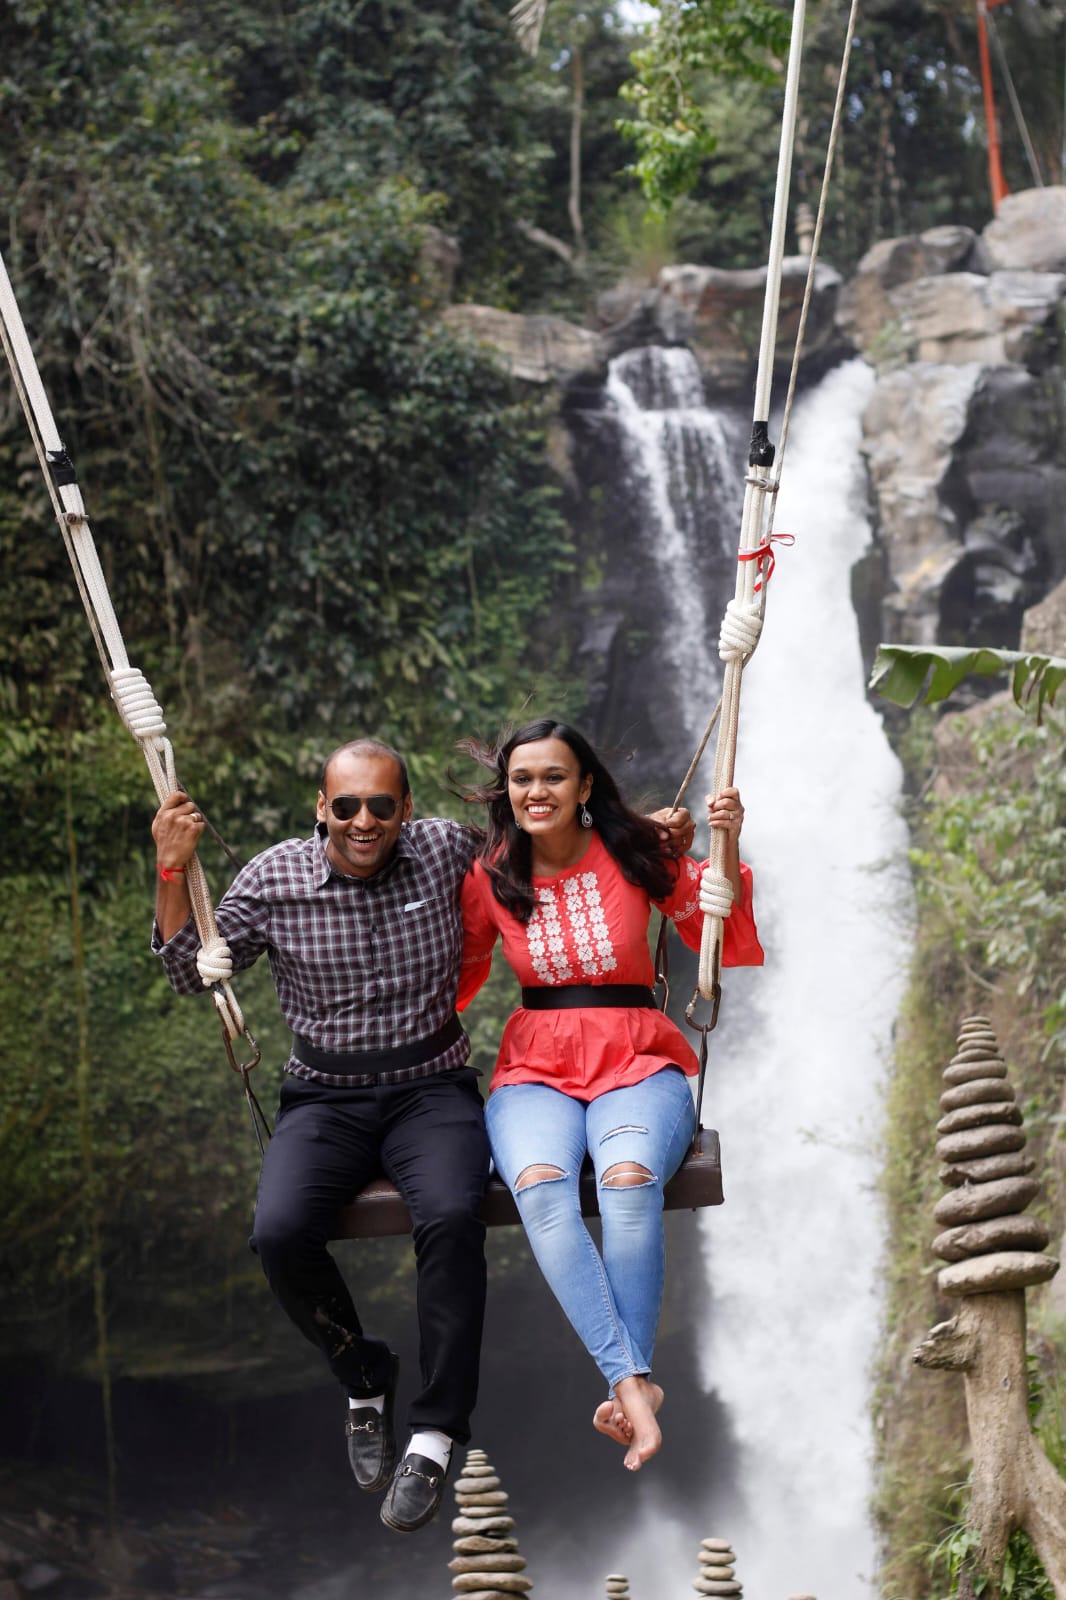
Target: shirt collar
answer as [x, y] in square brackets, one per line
[403, 850]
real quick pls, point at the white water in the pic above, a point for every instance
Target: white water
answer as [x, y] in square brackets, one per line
[792, 1258]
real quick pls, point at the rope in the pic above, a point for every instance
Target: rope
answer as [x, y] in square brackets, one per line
[1015, 103]
[133, 697]
[742, 624]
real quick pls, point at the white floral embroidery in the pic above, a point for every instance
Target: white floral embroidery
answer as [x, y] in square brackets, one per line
[576, 917]
[544, 937]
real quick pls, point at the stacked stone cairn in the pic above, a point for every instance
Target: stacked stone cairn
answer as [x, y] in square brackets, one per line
[617, 1586]
[990, 1245]
[486, 1564]
[717, 1569]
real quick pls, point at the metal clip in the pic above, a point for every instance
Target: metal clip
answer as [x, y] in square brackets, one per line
[243, 1067]
[690, 1010]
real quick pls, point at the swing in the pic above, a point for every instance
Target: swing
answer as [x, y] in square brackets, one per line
[378, 1211]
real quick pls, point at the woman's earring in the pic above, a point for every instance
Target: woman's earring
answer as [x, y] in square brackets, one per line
[517, 824]
[585, 815]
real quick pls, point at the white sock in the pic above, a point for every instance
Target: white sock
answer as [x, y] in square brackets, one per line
[436, 1446]
[376, 1402]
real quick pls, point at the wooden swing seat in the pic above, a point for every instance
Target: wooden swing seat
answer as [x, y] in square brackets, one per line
[378, 1212]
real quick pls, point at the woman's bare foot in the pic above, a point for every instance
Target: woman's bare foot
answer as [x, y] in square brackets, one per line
[609, 1418]
[640, 1400]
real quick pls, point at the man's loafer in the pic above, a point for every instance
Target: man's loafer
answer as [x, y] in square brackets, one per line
[415, 1494]
[372, 1438]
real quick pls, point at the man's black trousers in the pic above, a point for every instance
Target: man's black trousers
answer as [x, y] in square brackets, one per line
[428, 1137]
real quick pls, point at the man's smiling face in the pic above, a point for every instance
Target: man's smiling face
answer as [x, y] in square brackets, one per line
[361, 844]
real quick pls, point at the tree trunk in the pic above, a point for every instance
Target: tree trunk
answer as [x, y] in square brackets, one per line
[577, 112]
[1014, 1484]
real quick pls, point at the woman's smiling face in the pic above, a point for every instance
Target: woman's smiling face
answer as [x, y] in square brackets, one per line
[545, 786]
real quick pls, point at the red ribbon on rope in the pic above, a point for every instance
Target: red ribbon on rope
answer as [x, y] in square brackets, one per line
[764, 555]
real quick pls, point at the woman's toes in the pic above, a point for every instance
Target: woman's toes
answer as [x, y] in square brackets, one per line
[610, 1419]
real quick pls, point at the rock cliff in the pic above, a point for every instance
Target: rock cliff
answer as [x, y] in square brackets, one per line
[964, 434]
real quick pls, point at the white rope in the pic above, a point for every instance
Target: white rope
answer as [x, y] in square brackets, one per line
[716, 894]
[739, 630]
[736, 646]
[741, 627]
[134, 700]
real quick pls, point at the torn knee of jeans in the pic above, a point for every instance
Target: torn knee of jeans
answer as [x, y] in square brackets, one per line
[539, 1172]
[625, 1127]
[626, 1175]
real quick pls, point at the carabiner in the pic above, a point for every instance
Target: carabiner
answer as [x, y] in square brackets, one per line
[243, 1067]
[690, 1010]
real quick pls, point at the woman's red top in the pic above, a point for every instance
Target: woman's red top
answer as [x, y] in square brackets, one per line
[590, 926]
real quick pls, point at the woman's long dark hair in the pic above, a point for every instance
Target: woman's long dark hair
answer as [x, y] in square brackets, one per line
[507, 852]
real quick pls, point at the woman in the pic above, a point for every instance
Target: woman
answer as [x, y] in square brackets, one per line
[568, 876]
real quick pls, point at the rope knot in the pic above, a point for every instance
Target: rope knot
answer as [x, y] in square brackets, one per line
[136, 704]
[716, 894]
[214, 962]
[741, 627]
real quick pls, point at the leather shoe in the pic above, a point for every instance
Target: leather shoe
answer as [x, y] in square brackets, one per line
[372, 1437]
[415, 1493]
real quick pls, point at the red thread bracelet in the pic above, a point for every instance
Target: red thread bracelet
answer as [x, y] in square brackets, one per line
[171, 874]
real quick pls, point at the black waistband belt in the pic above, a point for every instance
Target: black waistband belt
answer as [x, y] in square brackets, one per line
[575, 996]
[365, 1063]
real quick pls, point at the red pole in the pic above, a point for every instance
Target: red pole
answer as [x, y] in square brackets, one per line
[996, 180]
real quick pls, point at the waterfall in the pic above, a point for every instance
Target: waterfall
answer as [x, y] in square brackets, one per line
[792, 1259]
[682, 455]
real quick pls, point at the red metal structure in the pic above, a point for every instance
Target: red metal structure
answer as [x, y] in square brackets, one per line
[997, 182]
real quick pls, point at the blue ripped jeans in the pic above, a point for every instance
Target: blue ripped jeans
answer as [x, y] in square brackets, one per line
[613, 1300]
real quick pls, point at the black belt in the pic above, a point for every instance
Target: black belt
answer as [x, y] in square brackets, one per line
[574, 996]
[367, 1063]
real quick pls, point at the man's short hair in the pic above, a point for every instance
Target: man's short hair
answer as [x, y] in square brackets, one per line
[368, 747]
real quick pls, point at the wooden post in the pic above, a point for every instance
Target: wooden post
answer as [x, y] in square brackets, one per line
[994, 1254]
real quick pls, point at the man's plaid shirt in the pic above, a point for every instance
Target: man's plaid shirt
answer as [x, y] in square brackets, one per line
[358, 963]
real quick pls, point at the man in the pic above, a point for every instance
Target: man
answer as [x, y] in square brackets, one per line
[362, 928]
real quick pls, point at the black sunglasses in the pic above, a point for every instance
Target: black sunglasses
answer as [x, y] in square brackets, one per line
[347, 806]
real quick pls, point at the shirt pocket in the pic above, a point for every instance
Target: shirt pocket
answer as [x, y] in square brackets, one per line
[429, 932]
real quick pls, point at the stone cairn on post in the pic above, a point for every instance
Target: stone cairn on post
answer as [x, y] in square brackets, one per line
[988, 1242]
[994, 1253]
[486, 1564]
[717, 1569]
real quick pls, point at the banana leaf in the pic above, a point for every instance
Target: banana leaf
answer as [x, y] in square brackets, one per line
[900, 672]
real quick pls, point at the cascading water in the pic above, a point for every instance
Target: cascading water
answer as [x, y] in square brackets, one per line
[792, 1258]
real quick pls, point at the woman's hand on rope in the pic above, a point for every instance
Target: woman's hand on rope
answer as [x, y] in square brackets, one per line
[676, 828]
[725, 814]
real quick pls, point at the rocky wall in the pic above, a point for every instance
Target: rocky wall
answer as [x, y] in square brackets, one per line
[964, 435]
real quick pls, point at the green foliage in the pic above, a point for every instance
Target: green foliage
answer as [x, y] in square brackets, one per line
[319, 513]
[1023, 1576]
[994, 863]
[725, 40]
[344, 98]
[912, 150]
[900, 671]
[989, 866]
